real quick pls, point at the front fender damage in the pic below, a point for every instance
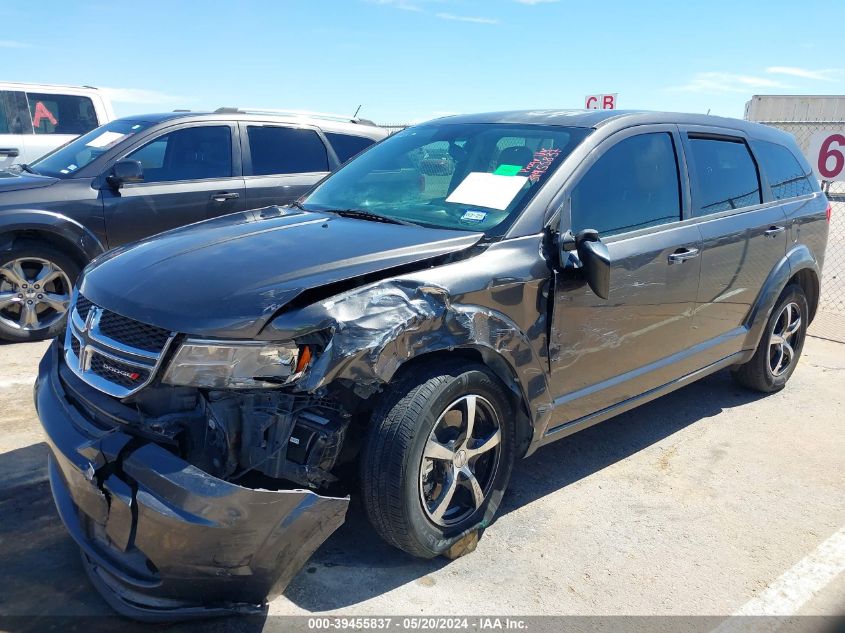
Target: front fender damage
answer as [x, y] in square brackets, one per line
[372, 331]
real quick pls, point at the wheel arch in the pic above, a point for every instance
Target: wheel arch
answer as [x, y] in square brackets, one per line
[500, 367]
[808, 279]
[374, 331]
[797, 266]
[50, 228]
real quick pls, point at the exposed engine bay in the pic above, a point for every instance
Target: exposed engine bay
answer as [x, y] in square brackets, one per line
[230, 434]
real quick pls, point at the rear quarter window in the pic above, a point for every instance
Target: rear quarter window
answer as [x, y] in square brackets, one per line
[787, 178]
[346, 146]
[724, 175]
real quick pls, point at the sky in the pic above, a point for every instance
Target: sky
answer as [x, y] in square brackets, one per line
[406, 61]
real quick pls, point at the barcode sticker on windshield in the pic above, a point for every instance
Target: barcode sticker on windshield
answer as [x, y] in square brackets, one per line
[474, 216]
[492, 191]
[106, 138]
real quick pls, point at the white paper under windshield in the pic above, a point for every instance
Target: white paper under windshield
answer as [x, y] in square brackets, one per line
[106, 138]
[481, 189]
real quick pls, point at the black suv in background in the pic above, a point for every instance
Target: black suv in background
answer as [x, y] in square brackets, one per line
[144, 174]
[454, 298]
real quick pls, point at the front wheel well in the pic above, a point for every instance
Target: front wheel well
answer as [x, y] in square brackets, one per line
[807, 279]
[17, 238]
[500, 368]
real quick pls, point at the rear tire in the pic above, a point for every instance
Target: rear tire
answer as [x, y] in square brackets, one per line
[780, 346]
[425, 481]
[36, 283]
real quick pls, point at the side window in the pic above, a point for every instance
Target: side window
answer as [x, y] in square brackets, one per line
[633, 185]
[785, 174]
[61, 114]
[283, 150]
[192, 153]
[5, 115]
[14, 117]
[724, 175]
[346, 146]
[152, 154]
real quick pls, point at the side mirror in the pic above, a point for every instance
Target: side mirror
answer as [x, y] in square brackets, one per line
[595, 258]
[125, 171]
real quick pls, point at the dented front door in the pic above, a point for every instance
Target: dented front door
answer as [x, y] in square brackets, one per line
[599, 346]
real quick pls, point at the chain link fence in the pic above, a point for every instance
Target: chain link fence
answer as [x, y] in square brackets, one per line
[831, 318]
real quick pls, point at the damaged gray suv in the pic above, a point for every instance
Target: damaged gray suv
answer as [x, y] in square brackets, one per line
[457, 296]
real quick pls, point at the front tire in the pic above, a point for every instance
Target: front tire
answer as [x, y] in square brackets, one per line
[438, 456]
[36, 283]
[780, 346]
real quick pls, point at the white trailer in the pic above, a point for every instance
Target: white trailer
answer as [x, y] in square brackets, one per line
[795, 108]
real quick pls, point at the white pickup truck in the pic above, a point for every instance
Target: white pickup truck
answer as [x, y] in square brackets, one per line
[36, 118]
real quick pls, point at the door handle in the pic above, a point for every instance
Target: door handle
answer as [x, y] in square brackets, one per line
[683, 254]
[223, 196]
[12, 152]
[774, 230]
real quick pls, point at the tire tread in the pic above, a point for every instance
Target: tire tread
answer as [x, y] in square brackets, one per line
[754, 374]
[394, 424]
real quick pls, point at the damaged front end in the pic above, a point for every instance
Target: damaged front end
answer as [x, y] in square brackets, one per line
[175, 512]
[200, 453]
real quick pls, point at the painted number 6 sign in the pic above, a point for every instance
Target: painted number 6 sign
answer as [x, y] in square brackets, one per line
[827, 155]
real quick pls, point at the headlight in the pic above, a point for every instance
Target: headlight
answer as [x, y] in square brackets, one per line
[220, 365]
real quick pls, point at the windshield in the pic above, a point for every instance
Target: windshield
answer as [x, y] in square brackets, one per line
[470, 176]
[73, 156]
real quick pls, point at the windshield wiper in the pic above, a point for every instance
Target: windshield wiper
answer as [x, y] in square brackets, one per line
[361, 214]
[26, 167]
[297, 205]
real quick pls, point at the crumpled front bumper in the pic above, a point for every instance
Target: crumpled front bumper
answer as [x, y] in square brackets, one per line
[160, 538]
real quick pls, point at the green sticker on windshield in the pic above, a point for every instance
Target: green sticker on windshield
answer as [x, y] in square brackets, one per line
[508, 170]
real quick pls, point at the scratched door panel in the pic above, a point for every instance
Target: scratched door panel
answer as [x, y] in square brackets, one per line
[646, 318]
[738, 253]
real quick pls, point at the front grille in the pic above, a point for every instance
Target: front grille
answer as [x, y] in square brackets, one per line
[133, 333]
[129, 376]
[111, 352]
[83, 306]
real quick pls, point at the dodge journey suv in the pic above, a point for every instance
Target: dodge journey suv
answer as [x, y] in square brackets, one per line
[455, 297]
[142, 175]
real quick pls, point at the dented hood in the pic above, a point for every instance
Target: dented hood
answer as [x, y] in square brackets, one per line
[228, 276]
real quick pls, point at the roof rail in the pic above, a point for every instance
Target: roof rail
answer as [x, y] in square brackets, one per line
[295, 113]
